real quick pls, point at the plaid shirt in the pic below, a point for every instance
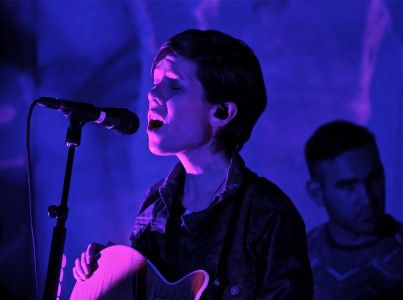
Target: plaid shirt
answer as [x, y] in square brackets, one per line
[268, 256]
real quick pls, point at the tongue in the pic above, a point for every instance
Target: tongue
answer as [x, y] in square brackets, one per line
[154, 124]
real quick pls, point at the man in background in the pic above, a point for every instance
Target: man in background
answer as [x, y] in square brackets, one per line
[358, 253]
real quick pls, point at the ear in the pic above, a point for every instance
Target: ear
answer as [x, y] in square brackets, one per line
[221, 114]
[315, 191]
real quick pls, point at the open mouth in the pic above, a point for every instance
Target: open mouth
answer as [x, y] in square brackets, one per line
[155, 124]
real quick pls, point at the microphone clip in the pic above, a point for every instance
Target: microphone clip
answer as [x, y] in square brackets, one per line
[73, 135]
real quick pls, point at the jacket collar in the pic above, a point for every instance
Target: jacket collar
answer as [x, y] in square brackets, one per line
[172, 185]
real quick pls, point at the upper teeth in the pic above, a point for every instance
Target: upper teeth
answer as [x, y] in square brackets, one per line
[157, 118]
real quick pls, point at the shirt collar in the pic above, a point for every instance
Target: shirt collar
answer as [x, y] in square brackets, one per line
[234, 178]
[173, 183]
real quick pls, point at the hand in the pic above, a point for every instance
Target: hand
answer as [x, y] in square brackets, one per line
[85, 265]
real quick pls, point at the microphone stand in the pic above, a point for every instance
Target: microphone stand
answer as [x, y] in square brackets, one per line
[73, 139]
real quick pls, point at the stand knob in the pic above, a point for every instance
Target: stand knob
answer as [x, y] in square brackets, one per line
[52, 211]
[57, 211]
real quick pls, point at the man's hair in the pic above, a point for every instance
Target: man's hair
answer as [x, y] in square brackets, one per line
[333, 139]
[228, 70]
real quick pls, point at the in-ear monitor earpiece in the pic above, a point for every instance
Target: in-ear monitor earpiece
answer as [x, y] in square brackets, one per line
[221, 112]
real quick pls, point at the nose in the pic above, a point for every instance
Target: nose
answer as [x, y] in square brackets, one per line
[155, 95]
[365, 195]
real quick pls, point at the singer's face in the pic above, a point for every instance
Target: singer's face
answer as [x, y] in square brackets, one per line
[178, 113]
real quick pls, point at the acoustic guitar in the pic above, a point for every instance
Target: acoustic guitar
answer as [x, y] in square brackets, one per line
[123, 273]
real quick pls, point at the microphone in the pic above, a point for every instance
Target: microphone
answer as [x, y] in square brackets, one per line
[120, 120]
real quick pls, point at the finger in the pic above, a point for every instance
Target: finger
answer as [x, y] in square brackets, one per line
[79, 269]
[89, 253]
[75, 274]
[84, 264]
[92, 250]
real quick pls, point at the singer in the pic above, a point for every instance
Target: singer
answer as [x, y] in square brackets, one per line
[211, 212]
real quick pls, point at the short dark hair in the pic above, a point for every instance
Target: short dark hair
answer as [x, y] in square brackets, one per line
[333, 139]
[228, 70]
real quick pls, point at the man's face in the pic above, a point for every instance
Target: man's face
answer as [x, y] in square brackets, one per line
[353, 187]
[178, 114]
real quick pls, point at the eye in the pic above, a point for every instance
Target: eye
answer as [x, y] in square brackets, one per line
[174, 84]
[349, 187]
[175, 87]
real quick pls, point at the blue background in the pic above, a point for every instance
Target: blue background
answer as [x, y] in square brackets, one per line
[322, 60]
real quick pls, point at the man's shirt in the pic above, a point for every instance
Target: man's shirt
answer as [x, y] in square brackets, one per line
[370, 271]
[268, 254]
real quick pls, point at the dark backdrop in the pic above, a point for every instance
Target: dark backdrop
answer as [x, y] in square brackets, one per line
[321, 60]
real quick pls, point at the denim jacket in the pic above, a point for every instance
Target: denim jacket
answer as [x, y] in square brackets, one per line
[268, 257]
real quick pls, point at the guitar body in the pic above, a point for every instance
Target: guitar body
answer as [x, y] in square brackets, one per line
[123, 273]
